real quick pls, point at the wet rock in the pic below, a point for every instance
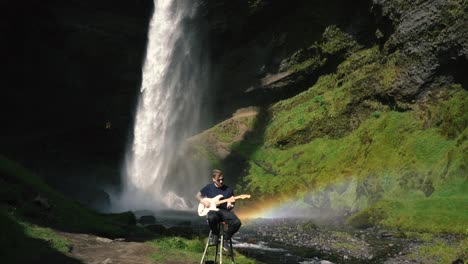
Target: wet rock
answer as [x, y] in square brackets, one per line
[104, 240]
[147, 220]
[42, 201]
[427, 56]
[386, 234]
[156, 228]
[183, 231]
[107, 261]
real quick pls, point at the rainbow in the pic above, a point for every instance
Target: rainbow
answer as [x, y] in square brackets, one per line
[275, 209]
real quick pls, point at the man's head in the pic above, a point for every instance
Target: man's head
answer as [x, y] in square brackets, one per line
[218, 178]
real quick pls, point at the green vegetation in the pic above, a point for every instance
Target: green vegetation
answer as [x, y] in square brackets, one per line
[56, 242]
[333, 43]
[349, 143]
[376, 114]
[22, 242]
[340, 145]
[30, 212]
[347, 245]
[386, 157]
[442, 212]
[327, 108]
[441, 252]
[176, 249]
[309, 64]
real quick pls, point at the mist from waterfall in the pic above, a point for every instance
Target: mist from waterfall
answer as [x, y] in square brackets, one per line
[157, 173]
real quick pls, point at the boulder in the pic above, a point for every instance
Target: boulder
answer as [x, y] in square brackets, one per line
[147, 220]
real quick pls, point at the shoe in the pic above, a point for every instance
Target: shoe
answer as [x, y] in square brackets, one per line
[226, 245]
[213, 240]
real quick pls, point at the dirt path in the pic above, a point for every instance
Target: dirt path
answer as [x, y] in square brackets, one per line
[91, 249]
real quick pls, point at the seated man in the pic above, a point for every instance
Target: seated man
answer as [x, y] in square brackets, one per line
[224, 214]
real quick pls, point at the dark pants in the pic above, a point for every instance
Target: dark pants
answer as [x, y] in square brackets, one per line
[214, 217]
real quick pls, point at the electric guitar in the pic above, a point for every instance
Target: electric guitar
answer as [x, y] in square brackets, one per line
[203, 210]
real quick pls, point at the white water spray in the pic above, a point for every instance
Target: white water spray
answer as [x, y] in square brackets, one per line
[157, 174]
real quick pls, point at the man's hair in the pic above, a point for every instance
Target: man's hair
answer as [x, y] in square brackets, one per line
[216, 172]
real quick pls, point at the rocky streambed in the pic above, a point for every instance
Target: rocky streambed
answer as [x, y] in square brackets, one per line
[304, 241]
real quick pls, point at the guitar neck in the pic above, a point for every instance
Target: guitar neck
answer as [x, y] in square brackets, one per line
[225, 200]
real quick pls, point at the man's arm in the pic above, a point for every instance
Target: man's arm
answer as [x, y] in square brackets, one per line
[199, 197]
[231, 202]
[230, 205]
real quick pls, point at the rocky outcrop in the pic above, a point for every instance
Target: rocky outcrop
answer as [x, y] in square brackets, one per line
[219, 139]
[252, 39]
[433, 35]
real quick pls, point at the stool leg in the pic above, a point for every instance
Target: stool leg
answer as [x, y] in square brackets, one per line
[232, 251]
[216, 252]
[221, 241]
[206, 248]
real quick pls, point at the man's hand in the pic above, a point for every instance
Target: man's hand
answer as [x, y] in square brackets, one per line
[205, 203]
[230, 203]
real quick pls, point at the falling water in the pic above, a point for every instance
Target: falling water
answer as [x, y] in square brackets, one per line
[157, 174]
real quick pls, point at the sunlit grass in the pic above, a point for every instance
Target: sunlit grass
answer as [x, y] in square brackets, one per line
[321, 110]
[443, 212]
[441, 252]
[177, 249]
[53, 239]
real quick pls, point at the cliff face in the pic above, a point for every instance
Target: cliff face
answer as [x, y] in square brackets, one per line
[433, 36]
[366, 115]
[253, 42]
[73, 73]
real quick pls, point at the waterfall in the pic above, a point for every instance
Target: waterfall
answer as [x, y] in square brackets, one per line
[157, 173]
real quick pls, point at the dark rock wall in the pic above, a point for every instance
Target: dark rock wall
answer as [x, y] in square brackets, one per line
[70, 86]
[433, 35]
[252, 38]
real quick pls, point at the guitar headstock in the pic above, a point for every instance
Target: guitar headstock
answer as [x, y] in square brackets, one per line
[243, 196]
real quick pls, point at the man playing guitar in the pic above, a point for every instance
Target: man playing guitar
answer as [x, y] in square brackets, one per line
[223, 212]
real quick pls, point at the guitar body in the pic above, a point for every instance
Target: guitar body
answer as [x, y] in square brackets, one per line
[202, 210]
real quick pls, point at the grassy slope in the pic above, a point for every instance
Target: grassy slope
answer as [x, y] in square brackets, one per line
[400, 165]
[27, 227]
[337, 133]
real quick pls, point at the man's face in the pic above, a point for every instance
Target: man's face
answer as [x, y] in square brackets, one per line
[218, 180]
